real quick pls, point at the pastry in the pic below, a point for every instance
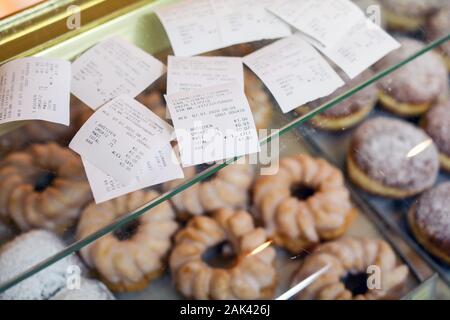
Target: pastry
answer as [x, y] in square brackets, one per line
[259, 100]
[349, 112]
[439, 26]
[132, 256]
[436, 123]
[392, 158]
[24, 252]
[89, 290]
[43, 186]
[304, 203]
[415, 87]
[408, 15]
[351, 263]
[228, 188]
[251, 275]
[429, 220]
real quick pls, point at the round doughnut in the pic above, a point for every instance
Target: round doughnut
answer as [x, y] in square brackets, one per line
[351, 261]
[415, 87]
[349, 112]
[436, 124]
[392, 158]
[439, 26]
[304, 203]
[251, 275]
[228, 188]
[43, 186]
[132, 256]
[429, 220]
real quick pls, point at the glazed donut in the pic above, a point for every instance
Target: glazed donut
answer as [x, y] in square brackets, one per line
[436, 124]
[429, 220]
[258, 99]
[43, 187]
[415, 87]
[408, 15]
[252, 274]
[351, 261]
[228, 188]
[24, 252]
[439, 26]
[392, 158]
[349, 112]
[304, 203]
[129, 258]
[89, 290]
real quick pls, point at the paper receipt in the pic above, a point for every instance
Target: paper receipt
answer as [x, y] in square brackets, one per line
[162, 166]
[212, 124]
[35, 89]
[294, 72]
[120, 136]
[111, 68]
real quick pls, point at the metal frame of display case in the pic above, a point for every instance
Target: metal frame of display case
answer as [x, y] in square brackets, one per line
[102, 18]
[45, 25]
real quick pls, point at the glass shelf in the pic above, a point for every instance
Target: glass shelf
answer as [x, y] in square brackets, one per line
[292, 131]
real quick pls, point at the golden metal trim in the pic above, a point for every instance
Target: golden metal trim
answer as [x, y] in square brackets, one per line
[44, 26]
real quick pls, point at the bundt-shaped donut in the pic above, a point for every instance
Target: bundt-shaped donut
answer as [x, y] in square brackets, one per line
[228, 188]
[129, 258]
[305, 202]
[43, 187]
[350, 262]
[252, 274]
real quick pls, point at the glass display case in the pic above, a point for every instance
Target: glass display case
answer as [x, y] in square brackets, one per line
[351, 189]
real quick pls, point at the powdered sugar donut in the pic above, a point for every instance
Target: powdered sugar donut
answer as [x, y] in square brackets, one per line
[89, 290]
[429, 219]
[393, 158]
[416, 86]
[349, 112]
[24, 252]
[439, 26]
[437, 124]
[408, 15]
